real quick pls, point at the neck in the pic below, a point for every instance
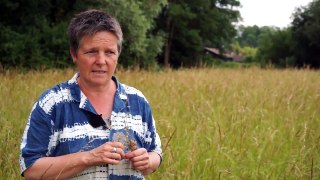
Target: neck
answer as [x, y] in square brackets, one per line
[100, 97]
[97, 91]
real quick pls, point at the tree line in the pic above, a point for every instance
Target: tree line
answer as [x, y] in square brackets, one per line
[170, 33]
[295, 46]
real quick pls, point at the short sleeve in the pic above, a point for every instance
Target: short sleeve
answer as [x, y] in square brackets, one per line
[152, 136]
[36, 137]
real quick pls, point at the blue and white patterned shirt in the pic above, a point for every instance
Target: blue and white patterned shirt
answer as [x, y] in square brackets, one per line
[59, 124]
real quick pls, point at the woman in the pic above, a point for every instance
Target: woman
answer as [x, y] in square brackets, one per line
[91, 126]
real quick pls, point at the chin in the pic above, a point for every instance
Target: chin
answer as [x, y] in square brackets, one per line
[100, 82]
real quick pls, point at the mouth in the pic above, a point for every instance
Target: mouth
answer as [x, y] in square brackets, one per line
[99, 71]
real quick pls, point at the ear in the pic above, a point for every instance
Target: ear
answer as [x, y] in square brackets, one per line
[73, 56]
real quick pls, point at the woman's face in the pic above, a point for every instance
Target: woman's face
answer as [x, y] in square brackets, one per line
[97, 58]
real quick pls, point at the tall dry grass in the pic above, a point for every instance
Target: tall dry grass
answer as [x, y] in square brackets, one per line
[214, 123]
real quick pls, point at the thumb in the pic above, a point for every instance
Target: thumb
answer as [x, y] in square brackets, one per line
[129, 155]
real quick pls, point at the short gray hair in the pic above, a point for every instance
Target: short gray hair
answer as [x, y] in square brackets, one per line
[90, 22]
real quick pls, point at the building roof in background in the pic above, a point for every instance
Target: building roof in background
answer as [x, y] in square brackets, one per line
[225, 56]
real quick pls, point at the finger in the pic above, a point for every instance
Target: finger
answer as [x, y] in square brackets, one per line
[111, 161]
[129, 155]
[111, 158]
[114, 150]
[117, 145]
[115, 156]
[118, 151]
[138, 164]
[144, 157]
[136, 153]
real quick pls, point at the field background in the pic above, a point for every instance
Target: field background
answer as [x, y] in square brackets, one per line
[214, 123]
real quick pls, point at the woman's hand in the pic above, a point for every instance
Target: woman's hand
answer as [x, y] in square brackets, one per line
[66, 166]
[139, 159]
[144, 161]
[108, 153]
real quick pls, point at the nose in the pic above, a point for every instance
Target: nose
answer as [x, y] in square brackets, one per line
[101, 59]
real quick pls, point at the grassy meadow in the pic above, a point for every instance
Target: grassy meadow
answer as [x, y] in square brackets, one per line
[214, 123]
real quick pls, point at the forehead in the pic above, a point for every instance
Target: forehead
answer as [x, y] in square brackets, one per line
[99, 38]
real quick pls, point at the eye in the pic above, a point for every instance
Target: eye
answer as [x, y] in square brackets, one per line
[109, 53]
[90, 52]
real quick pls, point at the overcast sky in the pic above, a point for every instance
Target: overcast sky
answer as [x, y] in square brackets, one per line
[269, 12]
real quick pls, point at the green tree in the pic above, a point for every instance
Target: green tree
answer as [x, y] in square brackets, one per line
[192, 25]
[306, 33]
[251, 35]
[142, 42]
[33, 33]
[277, 48]
[248, 35]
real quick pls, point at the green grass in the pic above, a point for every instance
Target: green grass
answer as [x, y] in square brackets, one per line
[214, 123]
